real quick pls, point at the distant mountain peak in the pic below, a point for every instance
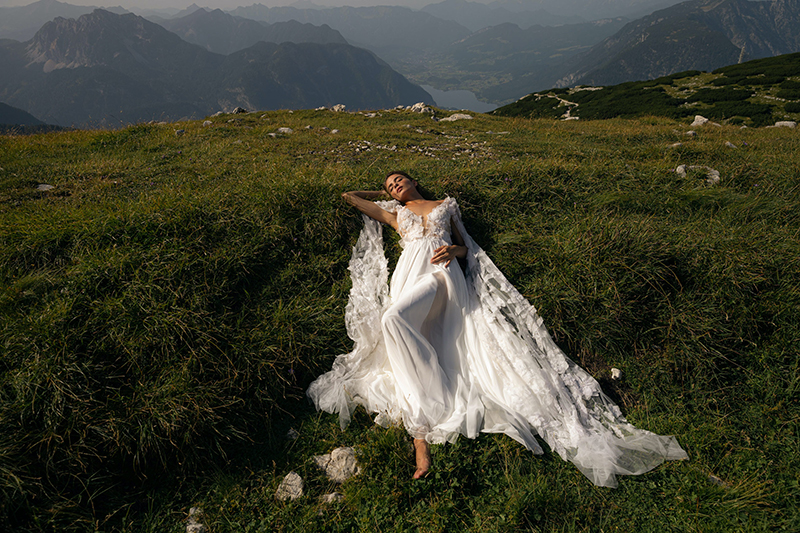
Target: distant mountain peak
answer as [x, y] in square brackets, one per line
[92, 40]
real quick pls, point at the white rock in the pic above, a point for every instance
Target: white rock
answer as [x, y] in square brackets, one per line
[338, 108]
[45, 187]
[179, 132]
[616, 374]
[334, 131]
[218, 113]
[264, 116]
[699, 120]
[456, 116]
[333, 497]
[691, 133]
[239, 110]
[676, 145]
[285, 130]
[207, 123]
[290, 488]
[786, 124]
[730, 144]
[194, 523]
[420, 107]
[321, 108]
[273, 135]
[712, 175]
[339, 465]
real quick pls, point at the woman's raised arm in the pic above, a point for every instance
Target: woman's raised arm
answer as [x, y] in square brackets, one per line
[361, 200]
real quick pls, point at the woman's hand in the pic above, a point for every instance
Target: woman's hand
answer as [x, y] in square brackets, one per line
[445, 254]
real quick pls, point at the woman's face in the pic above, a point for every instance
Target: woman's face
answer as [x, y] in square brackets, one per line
[400, 187]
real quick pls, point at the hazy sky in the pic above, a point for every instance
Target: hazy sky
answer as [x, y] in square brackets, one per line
[226, 4]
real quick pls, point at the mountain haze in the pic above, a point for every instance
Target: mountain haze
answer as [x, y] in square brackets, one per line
[107, 69]
[22, 22]
[475, 16]
[222, 33]
[699, 34]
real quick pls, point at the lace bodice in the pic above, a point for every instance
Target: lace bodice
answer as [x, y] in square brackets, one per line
[412, 227]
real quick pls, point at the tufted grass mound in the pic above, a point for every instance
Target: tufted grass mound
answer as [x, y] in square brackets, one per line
[165, 304]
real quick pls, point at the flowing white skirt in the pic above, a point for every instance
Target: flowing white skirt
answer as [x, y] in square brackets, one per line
[448, 355]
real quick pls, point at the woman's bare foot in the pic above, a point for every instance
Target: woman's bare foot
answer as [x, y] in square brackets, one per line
[423, 454]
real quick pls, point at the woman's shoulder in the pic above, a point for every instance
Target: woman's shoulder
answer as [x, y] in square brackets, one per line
[450, 204]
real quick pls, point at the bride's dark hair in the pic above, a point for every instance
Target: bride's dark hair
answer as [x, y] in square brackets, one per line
[424, 193]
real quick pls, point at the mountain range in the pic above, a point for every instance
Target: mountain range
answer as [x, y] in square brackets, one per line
[108, 69]
[698, 34]
[222, 33]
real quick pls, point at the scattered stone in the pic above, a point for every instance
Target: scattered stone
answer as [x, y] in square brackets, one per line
[616, 374]
[572, 118]
[218, 113]
[490, 132]
[178, 133]
[786, 124]
[712, 175]
[338, 108]
[370, 115]
[291, 112]
[420, 107]
[339, 465]
[292, 434]
[264, 116]
[273, 135]
[194, 523]
[285, 130]
[333, 497]
[456, 116]
[290, 488]
[309, 127]
[321, 108]
[207, 123]
[700, 120]
[717, 481]
[676, 145]
[334, 131]
[691, 133]
[45, 187]
[730, 144]
[238, 111]
[325, 128]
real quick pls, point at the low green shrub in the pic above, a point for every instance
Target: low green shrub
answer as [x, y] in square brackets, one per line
[727, 94]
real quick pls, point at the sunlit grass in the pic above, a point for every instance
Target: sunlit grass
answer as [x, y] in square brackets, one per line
[165, 305]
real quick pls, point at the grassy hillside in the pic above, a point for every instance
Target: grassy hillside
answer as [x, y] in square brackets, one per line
[164, 306]
[755, 93]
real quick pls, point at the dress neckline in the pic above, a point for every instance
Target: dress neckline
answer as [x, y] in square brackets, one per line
[424, 218]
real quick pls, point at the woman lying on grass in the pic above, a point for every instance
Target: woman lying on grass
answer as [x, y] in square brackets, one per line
[449, 353]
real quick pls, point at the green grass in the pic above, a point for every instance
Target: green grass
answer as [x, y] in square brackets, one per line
[165, 305]
[751, 93]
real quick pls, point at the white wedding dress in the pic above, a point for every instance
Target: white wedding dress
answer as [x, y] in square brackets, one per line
[448, 354]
